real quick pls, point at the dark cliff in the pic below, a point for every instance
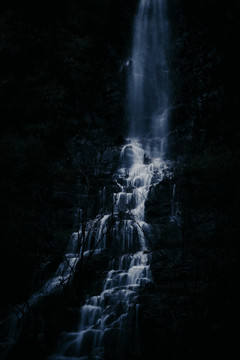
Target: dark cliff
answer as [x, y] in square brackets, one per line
[60, 78]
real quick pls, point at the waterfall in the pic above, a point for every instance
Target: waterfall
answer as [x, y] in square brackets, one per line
[108, 321]
[147, 97]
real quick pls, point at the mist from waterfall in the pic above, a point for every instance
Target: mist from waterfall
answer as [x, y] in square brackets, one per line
[147, 95]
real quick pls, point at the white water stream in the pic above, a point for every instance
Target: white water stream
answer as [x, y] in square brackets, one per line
[148, 84]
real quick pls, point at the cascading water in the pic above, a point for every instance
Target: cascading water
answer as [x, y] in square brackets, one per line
[108, 321]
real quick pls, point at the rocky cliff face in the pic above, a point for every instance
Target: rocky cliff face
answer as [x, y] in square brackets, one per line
[74, 204]
[61, 74]
[190, 309]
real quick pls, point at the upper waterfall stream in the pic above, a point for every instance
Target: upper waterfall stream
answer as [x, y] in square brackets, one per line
[148, 88]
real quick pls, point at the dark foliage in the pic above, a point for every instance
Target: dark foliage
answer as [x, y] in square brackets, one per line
[203, 97]
[59, 60]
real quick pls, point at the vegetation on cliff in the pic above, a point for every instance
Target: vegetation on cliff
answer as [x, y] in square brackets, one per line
[59, 72]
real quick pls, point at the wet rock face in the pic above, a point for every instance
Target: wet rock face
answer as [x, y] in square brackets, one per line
[131, 156]
[158, 204]
[193, 262]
